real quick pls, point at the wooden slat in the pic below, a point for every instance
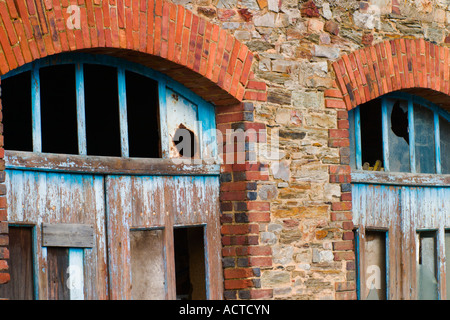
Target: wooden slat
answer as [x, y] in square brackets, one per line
[36, 109]
[104, 165]
[400, 178]
[81, 114]
[123, 118]
[68, 235]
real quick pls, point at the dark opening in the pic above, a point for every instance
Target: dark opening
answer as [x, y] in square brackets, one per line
[58, 263]
[20, 263]
[143, 116]
[399, 122]
[102, 111]
[58, 109]
[190, 263]
[371, 135]
[16, 109]
[185, 141]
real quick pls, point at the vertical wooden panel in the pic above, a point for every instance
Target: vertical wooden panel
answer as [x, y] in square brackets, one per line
[36, 109]
[58, 263]
[123, 112]
[81, 114]
[21, 286]
[118, 213]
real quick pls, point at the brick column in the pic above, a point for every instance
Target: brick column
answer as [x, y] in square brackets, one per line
[241, 213]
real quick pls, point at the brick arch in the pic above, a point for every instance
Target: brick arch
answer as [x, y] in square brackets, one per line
[157, 33]
[400, 64]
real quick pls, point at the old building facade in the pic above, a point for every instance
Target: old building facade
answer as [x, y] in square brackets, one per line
[330, 195]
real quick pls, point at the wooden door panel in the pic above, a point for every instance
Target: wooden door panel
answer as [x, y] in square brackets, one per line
[42, 197]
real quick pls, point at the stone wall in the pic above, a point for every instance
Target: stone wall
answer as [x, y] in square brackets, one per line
[295, 43]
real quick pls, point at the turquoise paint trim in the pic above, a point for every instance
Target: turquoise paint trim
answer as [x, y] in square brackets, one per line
[36, 109]
[206, 109]
[358, 139]
[437, 142]
[412, 136]
[385, 135]
[123, 117]
[81, 113]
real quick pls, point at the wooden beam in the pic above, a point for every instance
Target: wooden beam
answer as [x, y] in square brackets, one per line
[105, 165]
[67, 235]
[400, 178]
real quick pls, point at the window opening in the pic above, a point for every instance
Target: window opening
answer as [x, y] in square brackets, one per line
[143, 116]
[20, 286]
[424, 139]
[185, 142]
[102, 105]
[444, 127]
[16, 109]
[376, 273]
[398, 139]
[190, 263]
[371, 136]
[147, 264]
[427, 266]
[58, 109]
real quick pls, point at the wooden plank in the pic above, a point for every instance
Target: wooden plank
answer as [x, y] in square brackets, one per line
[123, 119]
[412, 146]
[21, 285]
[400, 178]
[358, 147]
[385, 134]
[36, 109]
[58, 263]
[104, 165]
[76, 274]
[437, 142]
[81, 114]
[68, 235]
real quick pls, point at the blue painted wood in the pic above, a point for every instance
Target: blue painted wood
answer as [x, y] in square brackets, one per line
[437, 142]
[206, 109]
[163, 119]
[123, 112]
[412, 145]
[76, 274]
[385, 134]
[81, 114]
[36, 109]
[358, 155]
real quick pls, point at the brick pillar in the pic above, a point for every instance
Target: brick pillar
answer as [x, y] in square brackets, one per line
[241, 212]
[4, 239]
[341, 212]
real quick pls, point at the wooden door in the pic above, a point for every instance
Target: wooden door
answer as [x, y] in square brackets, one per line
[35, 198]
[414, 221]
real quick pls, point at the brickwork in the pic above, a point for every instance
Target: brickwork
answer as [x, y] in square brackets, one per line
[289, 67]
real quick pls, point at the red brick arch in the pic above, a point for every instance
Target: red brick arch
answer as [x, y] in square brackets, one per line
[392, 65]
[157, 33]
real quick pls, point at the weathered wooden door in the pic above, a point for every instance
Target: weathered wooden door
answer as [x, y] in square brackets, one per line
[406, 230]
[113, 167]
[401, 198]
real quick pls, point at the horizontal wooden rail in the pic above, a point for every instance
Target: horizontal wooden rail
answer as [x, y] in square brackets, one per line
[106, 165]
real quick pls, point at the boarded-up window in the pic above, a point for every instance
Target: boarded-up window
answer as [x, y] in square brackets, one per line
[190, 263]
[147, 265]
[375, 273]
[20, 287]
[427, 266]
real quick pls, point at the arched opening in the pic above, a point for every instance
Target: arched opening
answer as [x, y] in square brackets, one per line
[401, 196]
[92, 182]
